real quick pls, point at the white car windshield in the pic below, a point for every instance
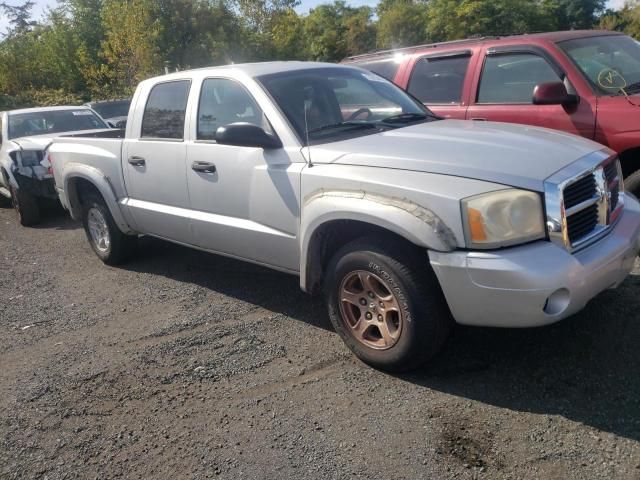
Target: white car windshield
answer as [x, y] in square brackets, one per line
[52, 121]
[330, 104]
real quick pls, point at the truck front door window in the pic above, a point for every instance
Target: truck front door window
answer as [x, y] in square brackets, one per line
[223, 102]
[439, 80]
[511, 78]
[165, 110]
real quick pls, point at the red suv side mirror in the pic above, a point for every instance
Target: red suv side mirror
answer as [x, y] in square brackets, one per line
[553, 93]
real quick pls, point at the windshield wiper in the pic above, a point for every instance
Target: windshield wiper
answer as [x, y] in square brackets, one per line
[408, 117]
[348, 124]
[632, 86]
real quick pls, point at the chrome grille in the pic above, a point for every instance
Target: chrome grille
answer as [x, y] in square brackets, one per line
[584, 200]
[582, 223]
[579, 191]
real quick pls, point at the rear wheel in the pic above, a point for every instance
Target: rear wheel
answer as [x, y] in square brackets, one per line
[26, 206]
[386, 304]
[632, 183]
[107, 241]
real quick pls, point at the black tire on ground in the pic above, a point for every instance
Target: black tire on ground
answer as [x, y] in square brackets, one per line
[405, 274]
[26, 206]
[632, 183]
[5, 202]
[108, 242]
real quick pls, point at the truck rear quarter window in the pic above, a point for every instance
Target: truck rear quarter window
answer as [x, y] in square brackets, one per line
[511, 78]
[439, 80]
[165, 110]
[386, 68]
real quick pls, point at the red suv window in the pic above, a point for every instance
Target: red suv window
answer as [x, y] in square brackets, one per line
[511, 78]
[439, 80]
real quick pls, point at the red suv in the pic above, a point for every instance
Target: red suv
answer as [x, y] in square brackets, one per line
[582, 82]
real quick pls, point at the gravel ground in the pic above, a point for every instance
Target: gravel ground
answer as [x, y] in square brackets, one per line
[188, 365]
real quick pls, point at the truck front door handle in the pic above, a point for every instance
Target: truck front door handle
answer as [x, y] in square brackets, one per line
[203, 167]
[136, 161]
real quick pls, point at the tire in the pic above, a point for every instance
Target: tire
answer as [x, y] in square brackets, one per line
[107, 241]
[26, 206]
[632, 183]
[412, 323]
[5, 202]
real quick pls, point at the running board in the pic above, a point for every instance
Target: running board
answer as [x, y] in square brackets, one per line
[4, 192]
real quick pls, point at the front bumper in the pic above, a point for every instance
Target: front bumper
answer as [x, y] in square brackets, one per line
[538, 283]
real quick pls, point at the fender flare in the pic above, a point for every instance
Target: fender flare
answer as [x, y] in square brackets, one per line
[417, 224]
[74, 171]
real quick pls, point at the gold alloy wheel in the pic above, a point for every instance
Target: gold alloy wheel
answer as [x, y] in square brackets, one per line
[369, 310]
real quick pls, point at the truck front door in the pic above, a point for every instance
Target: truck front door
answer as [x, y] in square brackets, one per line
[505, 82]
[154, 164]
[245, 200]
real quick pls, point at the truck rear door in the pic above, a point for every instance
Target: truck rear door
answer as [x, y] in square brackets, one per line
[503, 91]
[154, 156]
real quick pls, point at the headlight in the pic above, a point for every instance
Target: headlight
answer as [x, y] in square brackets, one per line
[502, 218]
[29, 158]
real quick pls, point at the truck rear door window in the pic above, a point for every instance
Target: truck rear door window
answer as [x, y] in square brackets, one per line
[439, 80]
[386, 68]
[511, 78]
[165, 110]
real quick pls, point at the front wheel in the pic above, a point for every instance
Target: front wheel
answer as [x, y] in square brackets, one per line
[107, 241]
[386, 304]
[26, 206]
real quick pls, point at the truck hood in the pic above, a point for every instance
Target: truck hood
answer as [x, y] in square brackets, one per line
[514, 155]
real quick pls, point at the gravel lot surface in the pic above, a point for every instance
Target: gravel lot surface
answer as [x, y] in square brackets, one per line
[182, 364]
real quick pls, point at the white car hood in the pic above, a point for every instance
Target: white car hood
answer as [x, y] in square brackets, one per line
[509, 154]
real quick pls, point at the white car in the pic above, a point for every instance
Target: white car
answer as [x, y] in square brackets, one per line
[24, 134]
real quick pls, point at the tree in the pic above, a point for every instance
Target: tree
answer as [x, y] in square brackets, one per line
[577, 14]
[195, 33]
[401, 23]
[19, 17]
[334, 31]
[129, 53]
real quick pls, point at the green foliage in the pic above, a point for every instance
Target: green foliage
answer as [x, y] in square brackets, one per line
[334, 31]
[103, 48]
[626, 20]
[401, 23]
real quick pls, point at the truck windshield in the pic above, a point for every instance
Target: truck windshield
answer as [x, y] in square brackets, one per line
[52, 121]
[330, 104]
[611, 63]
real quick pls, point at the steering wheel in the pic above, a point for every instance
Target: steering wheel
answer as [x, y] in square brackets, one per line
[359, 112]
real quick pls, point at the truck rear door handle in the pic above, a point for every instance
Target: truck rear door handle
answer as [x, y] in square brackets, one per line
[203, 167]
[136, 161]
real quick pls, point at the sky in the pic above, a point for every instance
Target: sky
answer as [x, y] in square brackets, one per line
[42, 5]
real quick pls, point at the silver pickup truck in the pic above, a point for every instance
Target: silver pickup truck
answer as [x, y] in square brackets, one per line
[404, 221]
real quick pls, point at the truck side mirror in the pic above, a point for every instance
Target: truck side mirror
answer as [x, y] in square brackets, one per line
[553, 93]
[243, 134]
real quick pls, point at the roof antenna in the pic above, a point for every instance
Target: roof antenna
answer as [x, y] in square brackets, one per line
[306, 131]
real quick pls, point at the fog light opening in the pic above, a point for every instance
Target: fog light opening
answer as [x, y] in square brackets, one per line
[557, 302]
